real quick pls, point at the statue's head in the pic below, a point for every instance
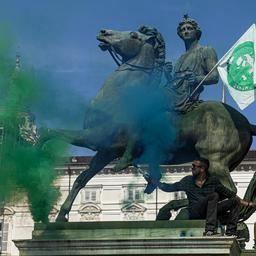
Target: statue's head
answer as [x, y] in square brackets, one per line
[187, 20]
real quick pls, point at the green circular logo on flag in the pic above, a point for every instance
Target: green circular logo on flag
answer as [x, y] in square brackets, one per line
[240, 67]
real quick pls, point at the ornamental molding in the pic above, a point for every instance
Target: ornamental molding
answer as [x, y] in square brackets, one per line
[7, 211]
[133, 207]
[6, 214]
[133, 211]
[53, 214]
[168, 169]
[90, 212]
[89, 207]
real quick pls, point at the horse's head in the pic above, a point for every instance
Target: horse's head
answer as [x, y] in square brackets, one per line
[129, 44]
[126, 43]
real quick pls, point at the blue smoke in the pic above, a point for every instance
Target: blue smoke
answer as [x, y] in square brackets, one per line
[144, 113]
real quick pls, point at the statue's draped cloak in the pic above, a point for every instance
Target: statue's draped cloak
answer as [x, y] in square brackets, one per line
[193, 61]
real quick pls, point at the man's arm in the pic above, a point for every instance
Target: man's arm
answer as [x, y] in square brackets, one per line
[172, 187]
[169, 187]
[221, 189]
[246, 203]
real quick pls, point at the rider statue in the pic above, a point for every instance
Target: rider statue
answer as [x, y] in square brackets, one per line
[191, 68]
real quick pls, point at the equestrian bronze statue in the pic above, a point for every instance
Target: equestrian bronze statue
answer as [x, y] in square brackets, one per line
[212, 130]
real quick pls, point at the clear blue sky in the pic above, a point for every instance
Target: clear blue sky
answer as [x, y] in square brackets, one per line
[58, 39]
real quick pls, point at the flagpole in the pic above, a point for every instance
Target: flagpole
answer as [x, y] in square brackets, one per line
[210, 72]
[223, 93]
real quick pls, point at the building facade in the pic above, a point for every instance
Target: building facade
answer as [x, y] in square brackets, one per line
[110, 196]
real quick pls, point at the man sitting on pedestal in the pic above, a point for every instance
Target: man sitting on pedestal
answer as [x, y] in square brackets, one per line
[204, 195]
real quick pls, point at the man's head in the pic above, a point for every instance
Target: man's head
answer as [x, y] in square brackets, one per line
[200, 166]
[188, 28]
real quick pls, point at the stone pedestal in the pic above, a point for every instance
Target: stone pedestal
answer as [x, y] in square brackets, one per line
[125, 238]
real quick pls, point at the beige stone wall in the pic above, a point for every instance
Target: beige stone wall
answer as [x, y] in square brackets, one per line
[108, 203]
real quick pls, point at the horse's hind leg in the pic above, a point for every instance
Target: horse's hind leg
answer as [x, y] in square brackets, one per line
[219, 167]
[99, 161]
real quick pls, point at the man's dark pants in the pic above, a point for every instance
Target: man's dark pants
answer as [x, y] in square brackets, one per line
[210, 208]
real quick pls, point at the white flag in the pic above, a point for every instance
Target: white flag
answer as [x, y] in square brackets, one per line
[237, 69]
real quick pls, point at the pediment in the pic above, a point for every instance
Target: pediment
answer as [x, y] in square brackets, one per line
[89, 207]
[7, 211]
[54, 210]
[134, 207]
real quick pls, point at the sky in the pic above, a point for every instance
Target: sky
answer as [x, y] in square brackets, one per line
[57, 39]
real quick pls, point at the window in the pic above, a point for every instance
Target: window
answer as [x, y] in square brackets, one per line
[5, 218]
[3, 236]
[134, 194]
[90, 194]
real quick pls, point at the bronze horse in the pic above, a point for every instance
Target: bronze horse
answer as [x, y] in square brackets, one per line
[143, 58]
[213, 130]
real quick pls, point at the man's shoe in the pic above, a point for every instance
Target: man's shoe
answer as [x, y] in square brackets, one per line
[211, 233]
[234, 235]
[231, 233]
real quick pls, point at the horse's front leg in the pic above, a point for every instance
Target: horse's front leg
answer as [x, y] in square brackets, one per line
[99, 161]
[88, 138]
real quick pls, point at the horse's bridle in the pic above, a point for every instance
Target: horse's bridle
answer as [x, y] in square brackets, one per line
[114, 55]
[119, 61]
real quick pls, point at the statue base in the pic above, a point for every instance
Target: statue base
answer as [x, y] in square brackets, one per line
[126, 238]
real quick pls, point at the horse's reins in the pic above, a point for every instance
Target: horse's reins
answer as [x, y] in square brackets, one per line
[114, 55]
[118, 60]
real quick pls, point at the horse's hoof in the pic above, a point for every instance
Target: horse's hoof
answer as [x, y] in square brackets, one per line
[61, 218]
[120, 166]
[149, 188]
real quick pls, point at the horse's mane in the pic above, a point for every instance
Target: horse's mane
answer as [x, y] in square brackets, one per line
[159, 49]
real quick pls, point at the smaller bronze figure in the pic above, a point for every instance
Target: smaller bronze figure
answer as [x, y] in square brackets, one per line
[191, 68]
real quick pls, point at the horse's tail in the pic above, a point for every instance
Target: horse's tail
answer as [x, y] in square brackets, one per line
[250, 195]
[253, 129]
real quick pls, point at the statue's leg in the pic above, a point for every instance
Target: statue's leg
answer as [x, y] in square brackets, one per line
[243, 234]
[218, 167]
[250, 195]
[219, 156]
[99, 161]
[126, 159]
[165, 212]
[88, 138]
[183, 214]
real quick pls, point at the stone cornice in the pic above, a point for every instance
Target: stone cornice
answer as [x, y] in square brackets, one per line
[76, 169]
[85, 160]
[77, 164]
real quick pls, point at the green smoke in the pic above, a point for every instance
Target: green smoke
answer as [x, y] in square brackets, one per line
[24, 168]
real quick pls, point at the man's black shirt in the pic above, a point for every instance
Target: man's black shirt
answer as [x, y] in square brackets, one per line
[195, 193]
